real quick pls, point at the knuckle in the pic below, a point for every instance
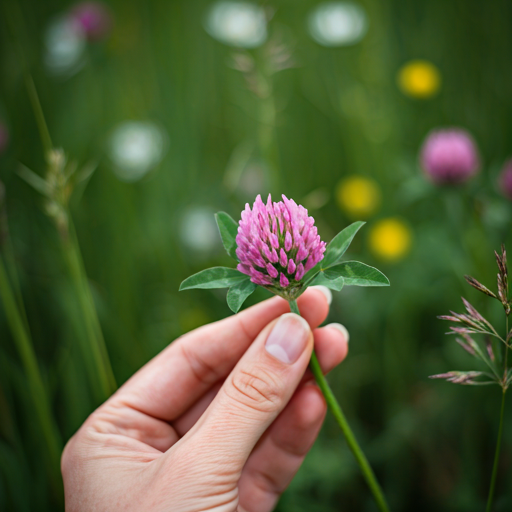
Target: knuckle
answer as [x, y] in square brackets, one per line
[202, 370]
[257, 389]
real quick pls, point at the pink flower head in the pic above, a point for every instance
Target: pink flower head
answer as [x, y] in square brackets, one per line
[93, 18]
[449, 156]
[277, 243]
[506, 179]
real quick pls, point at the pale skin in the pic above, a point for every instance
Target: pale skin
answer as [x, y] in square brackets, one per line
[215, 422]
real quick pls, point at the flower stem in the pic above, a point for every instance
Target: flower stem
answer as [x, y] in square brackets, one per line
[496, 456]
[336, 411]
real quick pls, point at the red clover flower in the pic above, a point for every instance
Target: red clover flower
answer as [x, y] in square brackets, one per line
[449, 156]
[277, 243]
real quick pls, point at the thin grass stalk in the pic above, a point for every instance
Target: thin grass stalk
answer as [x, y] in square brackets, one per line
[73, 259]
[496, 456]
[494, 474]
[350, 438]
[22, 338]
[10, 265]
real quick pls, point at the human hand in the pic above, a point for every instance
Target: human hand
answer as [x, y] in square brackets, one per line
[220, 420]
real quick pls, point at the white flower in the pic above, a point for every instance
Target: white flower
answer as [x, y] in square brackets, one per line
[199, 230]
[338, 23]
[64, 46]
[135, 148]
[241, 24]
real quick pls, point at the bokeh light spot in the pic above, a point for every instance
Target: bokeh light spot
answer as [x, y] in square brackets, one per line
[136, 147]
[390, 239]
[358, 196]
[240, 24]
[64, 41]
[199, 230]
[419, 79]
[338, 23]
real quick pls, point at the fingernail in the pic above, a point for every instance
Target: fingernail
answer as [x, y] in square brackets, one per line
[288, 338]
[325, 291]
[340, 328]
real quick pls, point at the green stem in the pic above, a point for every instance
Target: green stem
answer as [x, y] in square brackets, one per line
[94, 333]
[500, 428]
[496, 456]
[506, 353]
[336, 411]
[24, 345]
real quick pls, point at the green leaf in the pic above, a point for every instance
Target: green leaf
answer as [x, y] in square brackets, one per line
[356, 273]
[238, 293]
[228, 229]
[333, 284]
[215, 277]
[311, 274]
[339, 244]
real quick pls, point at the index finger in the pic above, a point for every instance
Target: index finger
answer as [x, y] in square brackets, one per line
[177, 377]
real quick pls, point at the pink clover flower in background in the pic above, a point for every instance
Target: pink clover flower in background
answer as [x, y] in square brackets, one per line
[94, 19]
[449, 156]
[505, 179]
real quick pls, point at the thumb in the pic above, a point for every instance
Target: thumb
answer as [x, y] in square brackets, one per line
[257, 390]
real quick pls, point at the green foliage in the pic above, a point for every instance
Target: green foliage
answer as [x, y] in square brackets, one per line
[215, 277]
[238, 293]
[335, 284]
[339, 244]
[355, 273]
[351, 273]
[228, 229]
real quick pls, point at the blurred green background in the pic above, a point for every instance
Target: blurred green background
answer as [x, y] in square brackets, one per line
[212, 125]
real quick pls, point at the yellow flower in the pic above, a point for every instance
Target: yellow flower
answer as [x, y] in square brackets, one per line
[390, 239]
[359, 197]
[419, 79]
